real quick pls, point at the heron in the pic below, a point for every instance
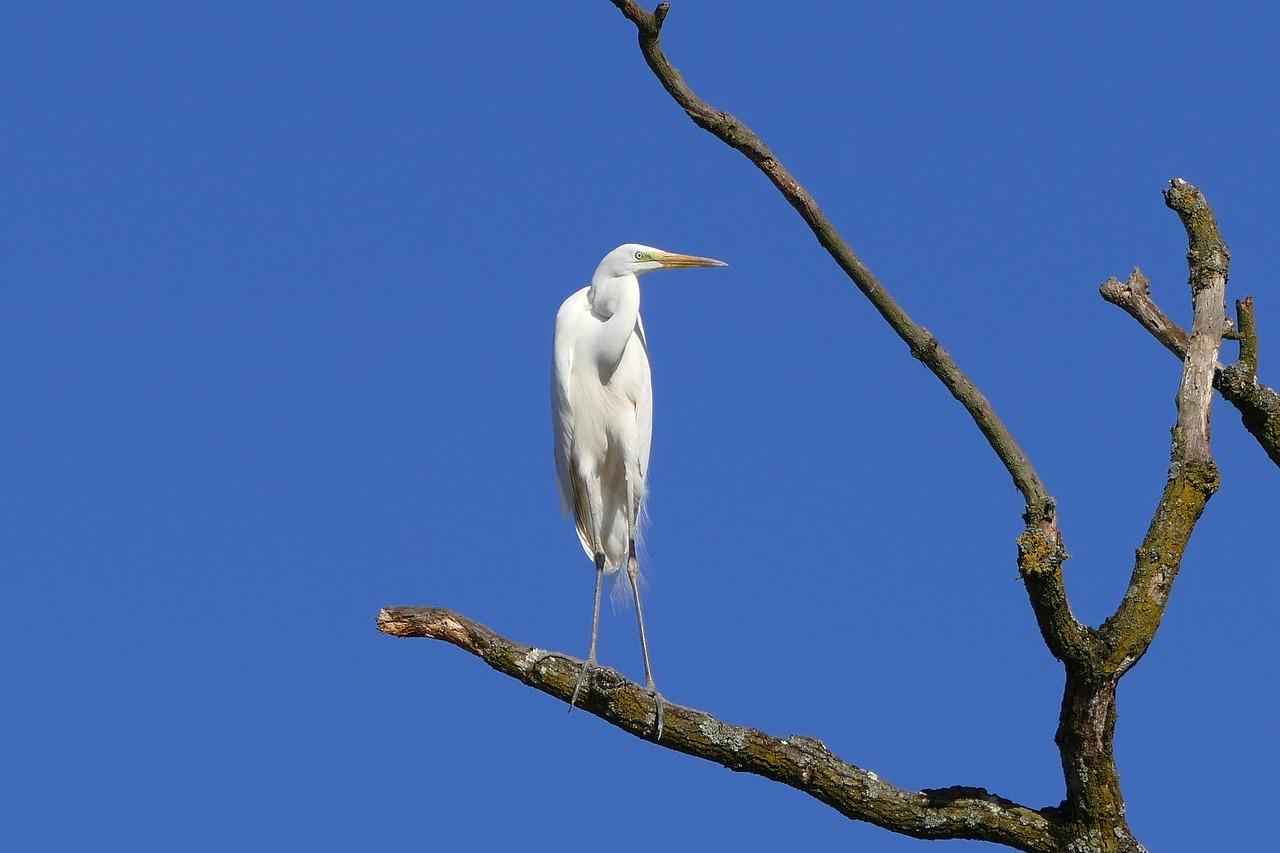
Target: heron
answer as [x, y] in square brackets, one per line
[602, 415]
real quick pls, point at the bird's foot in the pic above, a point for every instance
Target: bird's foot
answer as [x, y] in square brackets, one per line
[658, 703]
[587, 666]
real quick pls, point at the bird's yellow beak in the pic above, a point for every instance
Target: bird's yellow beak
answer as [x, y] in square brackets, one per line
[674, 261]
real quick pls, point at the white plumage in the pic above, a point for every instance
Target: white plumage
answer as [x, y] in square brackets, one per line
[602, 414]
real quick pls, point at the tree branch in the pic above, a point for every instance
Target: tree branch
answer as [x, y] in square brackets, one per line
[922, 344]
[1193, 475]
[1258, 404]
[1208, 258]
[799, 762]
[1247, 334]
[1086, 727]
[1040, 549]
[1134, 296]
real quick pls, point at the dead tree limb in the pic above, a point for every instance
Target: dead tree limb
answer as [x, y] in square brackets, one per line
[800, 762]
[922, 344]
[1087, 725]
[1258, 404]
[1193, 477]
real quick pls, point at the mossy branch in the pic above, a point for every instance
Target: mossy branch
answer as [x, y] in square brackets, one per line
[1126, 635]
[800, 762]
[1193, 475]
[1208, 259]
[1258, 404]
[1247, 335]
[1086, 726]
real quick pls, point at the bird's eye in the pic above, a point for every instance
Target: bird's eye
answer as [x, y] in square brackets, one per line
[640, 256]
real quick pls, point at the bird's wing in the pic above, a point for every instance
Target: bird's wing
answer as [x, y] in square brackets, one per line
[569, 318]
[644, 406]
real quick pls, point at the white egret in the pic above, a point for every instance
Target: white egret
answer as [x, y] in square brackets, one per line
[602, 412]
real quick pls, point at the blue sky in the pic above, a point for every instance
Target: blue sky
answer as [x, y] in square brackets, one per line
[279, 282]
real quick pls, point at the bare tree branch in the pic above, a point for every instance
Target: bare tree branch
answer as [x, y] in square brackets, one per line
[1258, 404]
[1087, 725]
[921, 343]
[1193, 476]
[1247, 334]
[800, 762]
[1134, 296]
[1208, 258]
[1041, 551]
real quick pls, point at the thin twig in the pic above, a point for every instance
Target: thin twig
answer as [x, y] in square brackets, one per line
[1247, 334]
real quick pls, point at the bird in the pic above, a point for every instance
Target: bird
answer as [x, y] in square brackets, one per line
[602, 418]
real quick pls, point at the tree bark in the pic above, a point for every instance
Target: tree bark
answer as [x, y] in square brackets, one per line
[801, 762]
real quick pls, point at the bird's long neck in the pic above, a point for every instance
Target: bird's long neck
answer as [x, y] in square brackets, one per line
[616, 301]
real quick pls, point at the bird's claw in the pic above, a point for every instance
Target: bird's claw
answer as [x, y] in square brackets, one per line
[658, 712]
[587, 666]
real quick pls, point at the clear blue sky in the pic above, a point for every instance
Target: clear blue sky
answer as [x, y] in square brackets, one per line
[275, 327]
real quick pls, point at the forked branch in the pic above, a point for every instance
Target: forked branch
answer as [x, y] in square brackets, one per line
[1258, 404]
[1086, 727]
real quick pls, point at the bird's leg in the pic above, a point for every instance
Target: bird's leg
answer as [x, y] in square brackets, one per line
[595, 632]
[633, 574]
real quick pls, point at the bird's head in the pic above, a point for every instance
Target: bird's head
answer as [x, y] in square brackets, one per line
[635, 259]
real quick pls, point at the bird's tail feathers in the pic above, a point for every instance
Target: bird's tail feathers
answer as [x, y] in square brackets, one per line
[620, 587]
